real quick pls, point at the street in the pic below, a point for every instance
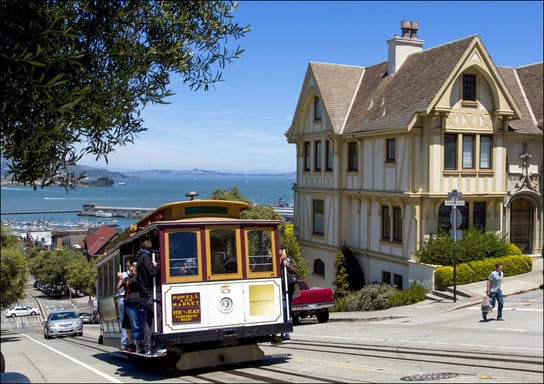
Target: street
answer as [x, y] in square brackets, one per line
[456, 346]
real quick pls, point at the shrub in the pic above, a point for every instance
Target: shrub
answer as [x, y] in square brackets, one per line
[372, 297]
[512, 249]
[479, 270]
[438, 251]
[475, 245]
[415, 293]
[443, 277]
[349, 274]
[341, 282]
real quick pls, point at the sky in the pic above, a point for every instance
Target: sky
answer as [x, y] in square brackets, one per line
[239, 125]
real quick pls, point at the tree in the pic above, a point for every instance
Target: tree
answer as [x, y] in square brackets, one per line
[77, 73]
[13, 275]
[232, 195]
[49, 267]
[289, 241]
[349, 274]
[81, 273]
[286, 231]
[341, 279]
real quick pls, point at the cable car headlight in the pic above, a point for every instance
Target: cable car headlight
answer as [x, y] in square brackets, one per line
[226, 305]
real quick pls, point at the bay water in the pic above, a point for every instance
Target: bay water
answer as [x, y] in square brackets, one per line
[141, 192]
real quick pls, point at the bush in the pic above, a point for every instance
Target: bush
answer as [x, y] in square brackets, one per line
[512, 249]
[438, 251]
[372, 297]
[475, 245]
[479, 270]
[414, 294]
[375, 297]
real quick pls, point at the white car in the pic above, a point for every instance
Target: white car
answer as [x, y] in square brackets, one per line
[22, 310]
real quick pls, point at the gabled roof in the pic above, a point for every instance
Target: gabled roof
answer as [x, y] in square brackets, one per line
[525, 84]
[97, 240]
[337, 85]
[392, 101]
[366, 99]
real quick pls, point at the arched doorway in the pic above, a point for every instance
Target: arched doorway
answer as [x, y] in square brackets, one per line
[521, 224]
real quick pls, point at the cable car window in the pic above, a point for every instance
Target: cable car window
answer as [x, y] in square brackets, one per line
[223, 249]
[260, 250]
[183, 253]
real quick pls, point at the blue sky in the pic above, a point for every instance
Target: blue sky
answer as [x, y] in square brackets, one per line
[240, 124]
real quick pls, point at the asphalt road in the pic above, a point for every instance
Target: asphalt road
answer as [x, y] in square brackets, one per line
[429, 346]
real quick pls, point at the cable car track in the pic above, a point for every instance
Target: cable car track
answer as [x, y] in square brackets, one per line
[461, 358]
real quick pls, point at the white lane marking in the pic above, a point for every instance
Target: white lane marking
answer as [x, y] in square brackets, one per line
[94, 370]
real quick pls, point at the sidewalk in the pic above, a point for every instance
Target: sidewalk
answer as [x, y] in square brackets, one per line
[466, 296]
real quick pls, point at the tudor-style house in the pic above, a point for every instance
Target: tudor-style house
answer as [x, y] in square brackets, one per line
[380, 149]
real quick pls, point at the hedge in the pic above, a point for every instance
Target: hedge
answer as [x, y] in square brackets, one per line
[479, 270]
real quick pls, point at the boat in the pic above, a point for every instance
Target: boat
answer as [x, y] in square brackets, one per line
[101, 213]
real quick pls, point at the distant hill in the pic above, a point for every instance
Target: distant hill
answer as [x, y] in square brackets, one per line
[90, 172]
[200, 172]
[95, 173]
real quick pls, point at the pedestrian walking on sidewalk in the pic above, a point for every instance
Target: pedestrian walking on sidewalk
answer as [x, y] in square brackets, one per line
[494, 288]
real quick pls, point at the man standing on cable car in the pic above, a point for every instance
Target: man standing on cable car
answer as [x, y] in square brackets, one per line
[289, 271]
[148, 273]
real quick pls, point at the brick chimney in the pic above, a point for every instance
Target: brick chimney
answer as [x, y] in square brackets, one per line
[401, 47]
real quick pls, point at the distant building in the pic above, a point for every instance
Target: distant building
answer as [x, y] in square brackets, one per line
[380, 147]
[35, 238]
[68, 239]
[96, 241]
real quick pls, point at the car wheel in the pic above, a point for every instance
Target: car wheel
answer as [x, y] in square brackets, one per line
[32, 313]
[322, 317]
[12, 315]
[46, 336]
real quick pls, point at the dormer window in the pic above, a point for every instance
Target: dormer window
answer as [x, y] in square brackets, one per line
[317, 108]
[469, 88]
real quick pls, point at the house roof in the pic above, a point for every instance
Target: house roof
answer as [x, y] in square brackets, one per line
[97, 240]
[366, 99]
[337, 85]
[525, 84]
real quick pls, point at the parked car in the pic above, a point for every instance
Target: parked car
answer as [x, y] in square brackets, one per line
[312, 302]
[90, 318]
[64, 322]
[22, 310]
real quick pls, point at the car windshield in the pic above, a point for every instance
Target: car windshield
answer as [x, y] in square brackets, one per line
[64, 315]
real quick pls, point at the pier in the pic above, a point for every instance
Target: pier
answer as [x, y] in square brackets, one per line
[123, 212]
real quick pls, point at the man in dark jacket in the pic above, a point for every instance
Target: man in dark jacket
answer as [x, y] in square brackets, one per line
[289, 272]
[148, 273]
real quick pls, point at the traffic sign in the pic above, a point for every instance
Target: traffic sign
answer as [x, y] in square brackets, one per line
[456, 219]
[455, 194]
[456, 234]
[457, 203]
